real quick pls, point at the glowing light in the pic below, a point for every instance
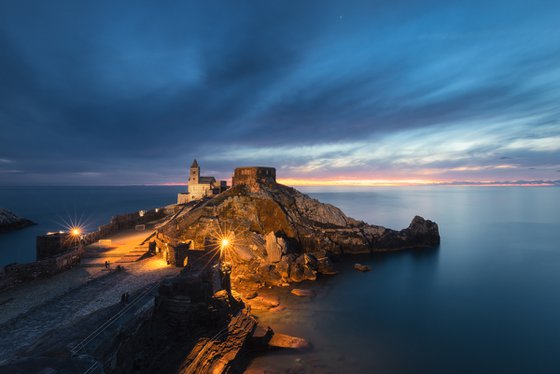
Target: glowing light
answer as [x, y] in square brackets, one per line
[76, 231]
[226, 240]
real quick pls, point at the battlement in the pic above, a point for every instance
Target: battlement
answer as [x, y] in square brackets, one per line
[254, 175]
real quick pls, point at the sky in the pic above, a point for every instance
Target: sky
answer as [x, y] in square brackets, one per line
[347, 92]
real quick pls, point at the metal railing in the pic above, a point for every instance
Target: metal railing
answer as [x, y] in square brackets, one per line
[82, 344]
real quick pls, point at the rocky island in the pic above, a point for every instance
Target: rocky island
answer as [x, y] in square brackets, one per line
[274, 235]
[9, 221]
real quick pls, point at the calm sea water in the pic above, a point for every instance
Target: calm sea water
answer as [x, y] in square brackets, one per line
[486, 300]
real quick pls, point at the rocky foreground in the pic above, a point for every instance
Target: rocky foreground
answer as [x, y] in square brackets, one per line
[278, 235]
[9, 221]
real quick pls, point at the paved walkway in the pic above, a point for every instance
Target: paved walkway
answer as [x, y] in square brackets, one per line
[32, 309]
[119, 249]
[65, 310]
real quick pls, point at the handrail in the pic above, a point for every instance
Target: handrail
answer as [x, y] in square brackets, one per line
[81, 345]
[91, 368]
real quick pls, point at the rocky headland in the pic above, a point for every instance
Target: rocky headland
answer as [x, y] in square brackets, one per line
[277, 235]
[9, 221]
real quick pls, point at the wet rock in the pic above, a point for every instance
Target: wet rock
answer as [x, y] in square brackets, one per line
[286, 341]
[361, 267]
[310, 261]
[303, 292]
[300, 271]
[297, 272]
[264, 302]
[325, 266]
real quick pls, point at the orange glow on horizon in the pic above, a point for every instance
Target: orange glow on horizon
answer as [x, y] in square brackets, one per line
[402, 183]
[333, 182]
[358, 182]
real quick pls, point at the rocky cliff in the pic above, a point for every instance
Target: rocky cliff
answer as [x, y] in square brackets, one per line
[276, 234]
[9, 221]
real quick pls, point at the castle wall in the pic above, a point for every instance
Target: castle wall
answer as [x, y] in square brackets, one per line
[253, 175]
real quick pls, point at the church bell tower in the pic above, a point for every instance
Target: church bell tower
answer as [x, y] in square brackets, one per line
[195, 173]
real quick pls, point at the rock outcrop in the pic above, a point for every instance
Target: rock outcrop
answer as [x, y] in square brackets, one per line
[280, 235]
[9, 221]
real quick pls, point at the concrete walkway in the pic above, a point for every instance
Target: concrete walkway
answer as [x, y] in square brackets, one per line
[64, 310]
[32, 309]
[120, 249]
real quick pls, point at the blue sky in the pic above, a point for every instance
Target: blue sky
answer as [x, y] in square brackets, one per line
[95, 92]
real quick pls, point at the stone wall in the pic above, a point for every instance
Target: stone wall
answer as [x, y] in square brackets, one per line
[253, 175]
[13, 274]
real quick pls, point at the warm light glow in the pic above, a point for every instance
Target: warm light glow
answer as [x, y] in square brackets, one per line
[225, 240]
[358, 182]
[76, 231]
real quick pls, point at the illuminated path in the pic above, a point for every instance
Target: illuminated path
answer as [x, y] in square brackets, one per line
[124, 248]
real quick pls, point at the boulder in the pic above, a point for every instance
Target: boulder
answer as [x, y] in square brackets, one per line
[244, 253]
[423, 232]
[310, 261]
[263, 302]
[274, 248]
[303, 292]
[300, 271]
[283, 267]
[325, 266]
[286, 341]
[361, 267]
[270, 275]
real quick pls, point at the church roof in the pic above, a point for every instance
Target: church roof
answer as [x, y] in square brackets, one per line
[206, 180]
[194, 164]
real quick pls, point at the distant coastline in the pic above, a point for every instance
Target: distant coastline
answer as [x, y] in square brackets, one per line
[10, 221]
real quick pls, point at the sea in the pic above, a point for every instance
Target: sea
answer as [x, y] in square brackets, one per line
[486, 300]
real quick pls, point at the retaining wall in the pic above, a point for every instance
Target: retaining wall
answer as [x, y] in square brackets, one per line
[13, 274]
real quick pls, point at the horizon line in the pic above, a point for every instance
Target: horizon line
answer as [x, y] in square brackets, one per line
[340, 183]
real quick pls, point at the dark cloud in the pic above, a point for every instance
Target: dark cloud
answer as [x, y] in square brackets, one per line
[111, 93]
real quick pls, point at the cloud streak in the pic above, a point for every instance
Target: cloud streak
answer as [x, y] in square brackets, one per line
[107, 93]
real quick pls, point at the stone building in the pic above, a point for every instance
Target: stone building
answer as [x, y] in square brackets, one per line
[199, 186]
[253, 175]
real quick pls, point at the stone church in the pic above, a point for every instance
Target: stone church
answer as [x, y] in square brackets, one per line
[200, 187]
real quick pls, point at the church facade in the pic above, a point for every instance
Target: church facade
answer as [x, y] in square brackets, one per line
[200, 186]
